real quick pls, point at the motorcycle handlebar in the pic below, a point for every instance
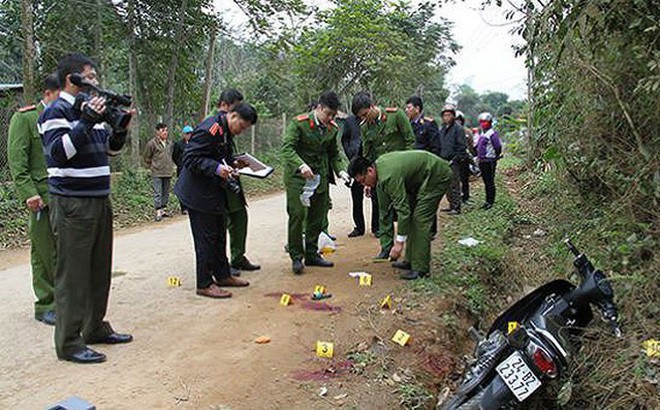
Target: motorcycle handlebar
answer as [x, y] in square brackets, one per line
[571, 247]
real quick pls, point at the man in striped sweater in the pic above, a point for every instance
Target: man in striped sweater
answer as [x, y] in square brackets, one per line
[77, 143]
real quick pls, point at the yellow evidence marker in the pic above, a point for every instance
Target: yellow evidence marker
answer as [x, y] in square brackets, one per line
[400, 337]
[285, 300]
[324, 349]
[512, 326]
[365, 280]
[652, 347]
[319, 289]
[386, 303]
[173, 281]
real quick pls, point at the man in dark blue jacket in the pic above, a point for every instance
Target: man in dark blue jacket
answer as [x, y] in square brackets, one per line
[201, 188]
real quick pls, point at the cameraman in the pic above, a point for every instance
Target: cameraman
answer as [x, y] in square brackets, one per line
[76, 144]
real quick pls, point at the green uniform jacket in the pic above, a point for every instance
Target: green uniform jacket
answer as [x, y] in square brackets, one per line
[306, 142]
[390, 132]
[406, 176]
[27, 162]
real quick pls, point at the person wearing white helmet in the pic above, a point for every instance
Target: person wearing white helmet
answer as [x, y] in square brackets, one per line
[489, 150]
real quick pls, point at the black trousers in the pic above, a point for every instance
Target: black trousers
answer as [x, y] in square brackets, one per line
[210, 238]
[357, 197]
[465, 178]
[83, 235]
[488, 175]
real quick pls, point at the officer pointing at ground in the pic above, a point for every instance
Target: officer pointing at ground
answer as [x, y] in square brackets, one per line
[413, 182]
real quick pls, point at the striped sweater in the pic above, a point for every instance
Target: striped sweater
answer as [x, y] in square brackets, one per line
[76, 151]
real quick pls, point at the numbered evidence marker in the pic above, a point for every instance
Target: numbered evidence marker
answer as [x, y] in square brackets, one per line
[324, 349]
[365, 280]
[652, 347]
[401, 337]
[319, 289]
[512, 326]
[285, 300]
[173, 281]
[386, 303]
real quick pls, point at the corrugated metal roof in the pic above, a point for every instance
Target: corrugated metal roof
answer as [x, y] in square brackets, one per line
[5, 87]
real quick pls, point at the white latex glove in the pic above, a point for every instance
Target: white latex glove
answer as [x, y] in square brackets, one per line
[344, 176]
[306, 171]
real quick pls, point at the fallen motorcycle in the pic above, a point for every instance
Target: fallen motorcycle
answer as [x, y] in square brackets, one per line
[528, 346]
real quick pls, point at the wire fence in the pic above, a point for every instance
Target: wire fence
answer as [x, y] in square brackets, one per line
[265, 136]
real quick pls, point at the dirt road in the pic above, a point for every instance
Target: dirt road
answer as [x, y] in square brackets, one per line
[193, 352]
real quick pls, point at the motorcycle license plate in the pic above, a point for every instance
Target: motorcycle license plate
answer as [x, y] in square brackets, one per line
[518, 376]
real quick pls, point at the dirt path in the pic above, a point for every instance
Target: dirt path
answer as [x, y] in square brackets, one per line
[198, 353]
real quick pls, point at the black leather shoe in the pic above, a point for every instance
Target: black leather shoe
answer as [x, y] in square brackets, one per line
[245, 264]
[85, 356]
[401, 265]
[318, 261]
[112, 339]
[297, 266]
[384, 254]
[354, 233]
[234, 272]
[412, 275]
[47, 318]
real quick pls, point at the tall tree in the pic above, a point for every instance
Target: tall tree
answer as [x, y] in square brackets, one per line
[29, 51]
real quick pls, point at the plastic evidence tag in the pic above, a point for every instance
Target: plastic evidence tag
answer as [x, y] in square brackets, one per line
[324, 349]
[365, 280]
[386, 303]
[400, 337]
[512, 326]
[285, 300]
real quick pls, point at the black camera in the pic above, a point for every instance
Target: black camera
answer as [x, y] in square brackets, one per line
[233, 185]
[117, 117]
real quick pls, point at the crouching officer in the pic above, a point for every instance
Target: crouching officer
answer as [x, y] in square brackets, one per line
[413, 182]
[202, 188]
[27, 165]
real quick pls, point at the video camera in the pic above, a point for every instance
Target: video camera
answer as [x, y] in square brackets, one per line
[114, 114]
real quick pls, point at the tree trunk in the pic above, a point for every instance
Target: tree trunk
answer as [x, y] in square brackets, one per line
[133, 86]
[29, 51]
[208, 79]
[98, 38]
[174, 63]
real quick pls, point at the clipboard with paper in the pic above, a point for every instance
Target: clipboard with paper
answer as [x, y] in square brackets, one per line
[255, 168]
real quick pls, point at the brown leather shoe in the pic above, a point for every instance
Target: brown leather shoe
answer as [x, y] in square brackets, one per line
[214, 291]
[233, 282]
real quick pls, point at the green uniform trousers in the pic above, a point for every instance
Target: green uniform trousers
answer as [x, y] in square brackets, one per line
[237, 222]
[310, 219]
[418, 244]
[42, 259]
[83, 234]
[385, 221]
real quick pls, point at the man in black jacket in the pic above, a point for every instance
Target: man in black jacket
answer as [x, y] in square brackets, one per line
[205, 176]
[352, 144]
[452, 149]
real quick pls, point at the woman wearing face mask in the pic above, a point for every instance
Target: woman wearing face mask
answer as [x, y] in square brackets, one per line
[489, 150]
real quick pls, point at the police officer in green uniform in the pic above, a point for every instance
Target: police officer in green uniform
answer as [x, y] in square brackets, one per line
[28, 169]
[414, 182]
[383, 130]
[237, 216]
[310, 154]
